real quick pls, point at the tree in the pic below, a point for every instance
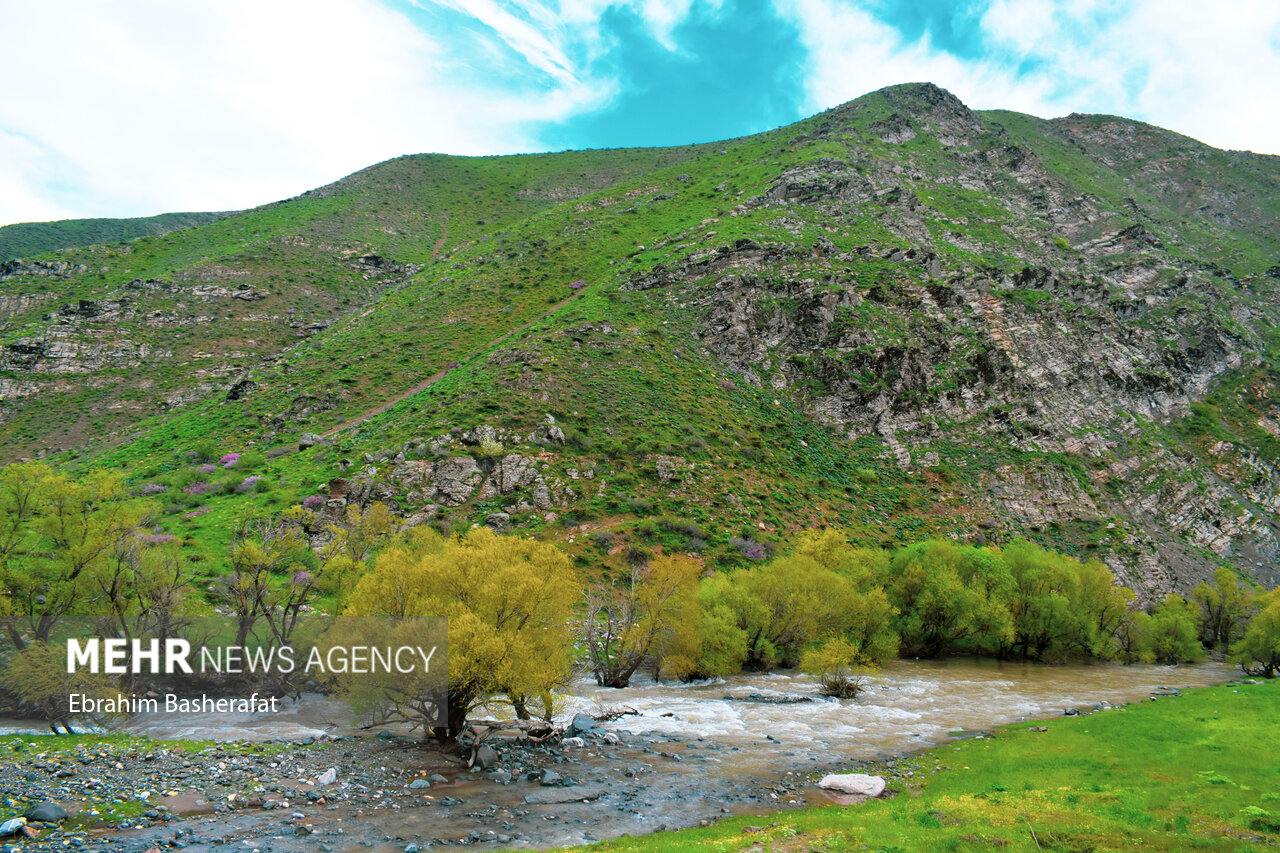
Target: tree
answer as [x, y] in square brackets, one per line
[1225, 607]
[143, 592]
[625, 622]
[946, 595]
[38, 677]
[508, 602]
[1258, 651]
[55, 532]
[263, 551]
[1174, 632]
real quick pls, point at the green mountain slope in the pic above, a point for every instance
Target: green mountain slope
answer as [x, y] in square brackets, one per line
[899, 316]
[36, 238]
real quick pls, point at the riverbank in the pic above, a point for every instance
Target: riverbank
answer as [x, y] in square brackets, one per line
[690, 754]
[1191, 771]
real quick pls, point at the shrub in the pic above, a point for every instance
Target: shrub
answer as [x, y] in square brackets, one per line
[488, 449]
[248, 484]
[199, 487]
[841, 668]
[750, 548]
[313, 502]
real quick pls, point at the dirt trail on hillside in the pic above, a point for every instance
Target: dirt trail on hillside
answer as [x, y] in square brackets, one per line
[435, 250]
[365, 416]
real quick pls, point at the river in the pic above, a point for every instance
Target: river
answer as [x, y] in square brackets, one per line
[688, 753]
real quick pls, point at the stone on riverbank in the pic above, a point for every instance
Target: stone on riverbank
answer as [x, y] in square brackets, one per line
[579, 724]
[856, 784]
[46, 812]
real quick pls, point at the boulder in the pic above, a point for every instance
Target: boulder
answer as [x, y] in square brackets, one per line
[456, 478]
[46, 812]
[499, 521]
[856, 784]
[309, 439]
[579, 724]
[486, 757]
[419, 784]
[328, 777]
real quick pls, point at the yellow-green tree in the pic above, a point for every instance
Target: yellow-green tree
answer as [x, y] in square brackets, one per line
[654, 610]
[947, 595]
[37, 676]
[55, 533]
[1226, 606]
[1174, 634]
[508, 602]
[1258, 652]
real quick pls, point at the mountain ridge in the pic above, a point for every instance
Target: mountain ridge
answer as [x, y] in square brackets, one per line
[899, 316]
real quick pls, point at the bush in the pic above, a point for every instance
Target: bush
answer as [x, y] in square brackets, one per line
[841, 668]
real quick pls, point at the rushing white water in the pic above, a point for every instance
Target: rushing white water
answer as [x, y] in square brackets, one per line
[910, 704]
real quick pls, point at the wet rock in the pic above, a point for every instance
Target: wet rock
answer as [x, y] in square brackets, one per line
[554, 796]
[856, 784]
[579, 724]
[486, 757]
[420, 784]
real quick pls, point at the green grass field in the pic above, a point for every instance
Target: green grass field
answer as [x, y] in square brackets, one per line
[1194, 772]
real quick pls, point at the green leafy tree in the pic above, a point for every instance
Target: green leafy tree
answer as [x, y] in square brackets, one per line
[1175, 635]
[55, 534]
[946, 597]
[1258, 651]
[1226, 606]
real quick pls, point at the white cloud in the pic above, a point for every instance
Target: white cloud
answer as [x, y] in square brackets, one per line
[138, 108]
[1204, 71]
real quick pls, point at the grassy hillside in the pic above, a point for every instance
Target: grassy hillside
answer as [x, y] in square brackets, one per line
[898, 316]
[25, 239]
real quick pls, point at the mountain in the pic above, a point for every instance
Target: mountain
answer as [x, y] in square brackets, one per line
[900, 316]
[34, 238]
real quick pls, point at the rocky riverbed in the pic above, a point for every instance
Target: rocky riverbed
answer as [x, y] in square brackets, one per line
[689, 754]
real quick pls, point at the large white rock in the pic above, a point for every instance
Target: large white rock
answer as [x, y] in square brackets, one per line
[853, 783]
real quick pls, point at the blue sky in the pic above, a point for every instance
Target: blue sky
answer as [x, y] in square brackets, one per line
[144, 106]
